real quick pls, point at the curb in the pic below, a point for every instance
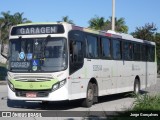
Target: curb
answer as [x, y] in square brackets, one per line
[3, 82]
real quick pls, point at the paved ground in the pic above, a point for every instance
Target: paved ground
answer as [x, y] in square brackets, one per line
[118, 102]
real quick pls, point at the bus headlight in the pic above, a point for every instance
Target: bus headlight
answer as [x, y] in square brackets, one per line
[55, 87]
[58, 85]
[62, 83]
[11, 86]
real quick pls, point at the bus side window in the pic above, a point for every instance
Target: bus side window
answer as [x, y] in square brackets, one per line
[76, 54]
[143, 53]
[105, 48]
[117, 52]
[150, 53]
[92, 43]
[137, 52]
[76, 50]
[71, 51]
[127, 50]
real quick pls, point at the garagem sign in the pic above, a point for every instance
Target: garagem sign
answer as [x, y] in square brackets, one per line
[37, 29]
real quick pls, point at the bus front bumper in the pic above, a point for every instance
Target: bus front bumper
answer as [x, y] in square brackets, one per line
[57, 95]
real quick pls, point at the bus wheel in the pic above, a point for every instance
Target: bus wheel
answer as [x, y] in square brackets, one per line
[95, 93]
[88, 101]
[136, 86]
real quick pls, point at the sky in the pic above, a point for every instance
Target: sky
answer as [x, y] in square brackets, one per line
[136, 12]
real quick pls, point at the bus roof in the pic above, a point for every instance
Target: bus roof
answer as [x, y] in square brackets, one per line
[39, 23]
[113, 34]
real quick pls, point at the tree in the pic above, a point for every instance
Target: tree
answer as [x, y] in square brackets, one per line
[7, 20]
[18, 18]
[120, 25]
[66, 19]
[146, 32]
[99, 23]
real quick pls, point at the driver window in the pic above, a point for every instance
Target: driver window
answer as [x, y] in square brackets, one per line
[76, 54]
[76, 50]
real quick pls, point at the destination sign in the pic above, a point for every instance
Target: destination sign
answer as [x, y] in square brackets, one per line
[37, 29]
[20, 64]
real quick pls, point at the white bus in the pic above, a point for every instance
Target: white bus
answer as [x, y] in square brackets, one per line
[60, 61]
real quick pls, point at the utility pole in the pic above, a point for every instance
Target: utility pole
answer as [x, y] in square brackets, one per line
[113, 15]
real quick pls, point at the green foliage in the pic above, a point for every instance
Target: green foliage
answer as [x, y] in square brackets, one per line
[66, 19]
[99, 23]
[146, 103]
[7, 20]
[145, 32]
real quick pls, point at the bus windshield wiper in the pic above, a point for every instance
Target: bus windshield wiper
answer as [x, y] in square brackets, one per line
[44, 45]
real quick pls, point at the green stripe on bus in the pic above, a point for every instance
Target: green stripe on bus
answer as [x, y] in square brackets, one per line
[33, 85]
[38, 23]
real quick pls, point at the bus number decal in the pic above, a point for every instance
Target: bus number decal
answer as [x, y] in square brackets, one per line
[97, 67]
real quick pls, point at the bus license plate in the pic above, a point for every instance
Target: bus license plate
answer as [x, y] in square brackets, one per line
[31, 95]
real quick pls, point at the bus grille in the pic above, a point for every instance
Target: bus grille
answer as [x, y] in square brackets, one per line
[20, 93]
[29, 78]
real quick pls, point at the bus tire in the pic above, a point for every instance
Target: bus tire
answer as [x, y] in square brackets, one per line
[95, 93]
[136, 86]
[88, 101]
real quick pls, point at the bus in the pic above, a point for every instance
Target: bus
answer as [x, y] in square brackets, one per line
[60, 61]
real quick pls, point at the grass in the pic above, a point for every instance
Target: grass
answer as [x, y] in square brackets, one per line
[143, 104]
[3, 71]
[146, 103]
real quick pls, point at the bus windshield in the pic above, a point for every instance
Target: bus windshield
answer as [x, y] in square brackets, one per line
[38, 54]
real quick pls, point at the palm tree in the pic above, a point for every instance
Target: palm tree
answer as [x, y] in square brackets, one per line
[97, 23]
[18, 18]
[119, 25]
[66, 19]
[7, 20]
[5, 23]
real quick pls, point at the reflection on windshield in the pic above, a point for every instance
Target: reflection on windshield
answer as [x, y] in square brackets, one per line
[38, 54]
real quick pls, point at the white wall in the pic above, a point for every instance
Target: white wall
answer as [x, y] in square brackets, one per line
[2, 59]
